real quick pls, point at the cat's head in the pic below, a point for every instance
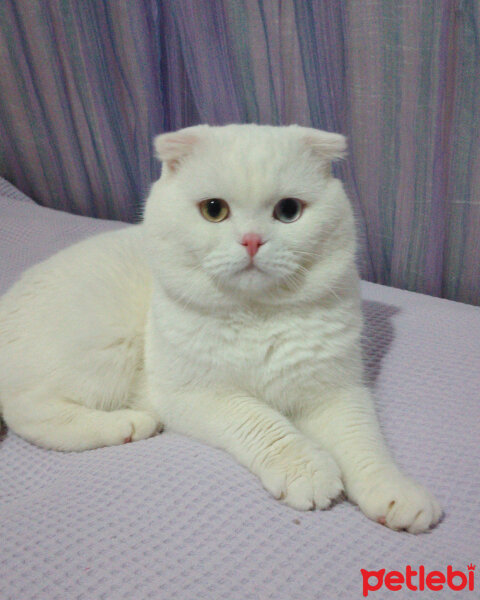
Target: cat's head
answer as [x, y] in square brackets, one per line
[248, 213]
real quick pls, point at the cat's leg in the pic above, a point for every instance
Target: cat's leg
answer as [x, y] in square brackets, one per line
[60, 424]
[290, 466]
[345, 423]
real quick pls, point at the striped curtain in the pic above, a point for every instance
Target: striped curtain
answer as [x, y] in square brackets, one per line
[86, 84]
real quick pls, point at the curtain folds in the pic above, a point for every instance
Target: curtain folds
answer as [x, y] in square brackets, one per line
[84, 87]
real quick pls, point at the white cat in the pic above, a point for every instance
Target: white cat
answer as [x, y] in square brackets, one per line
[231, 314]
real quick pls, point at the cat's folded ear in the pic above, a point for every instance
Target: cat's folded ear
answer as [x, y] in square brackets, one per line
[324, 145]
[171, 148]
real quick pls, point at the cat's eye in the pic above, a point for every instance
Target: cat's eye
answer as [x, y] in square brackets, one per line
[288, 210]
[214, 210]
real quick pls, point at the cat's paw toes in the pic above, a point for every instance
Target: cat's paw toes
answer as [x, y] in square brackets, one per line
[143, 426]
[401, 504]
[313, 482]
[327, 483]
[130, 426]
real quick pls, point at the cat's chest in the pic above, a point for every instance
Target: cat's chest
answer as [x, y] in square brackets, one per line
[268, 356]
[247, 343]
[279, 357]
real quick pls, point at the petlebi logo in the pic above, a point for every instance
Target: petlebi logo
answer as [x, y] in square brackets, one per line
[418, 579]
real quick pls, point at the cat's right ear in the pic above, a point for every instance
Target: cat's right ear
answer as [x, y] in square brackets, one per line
[171, 148]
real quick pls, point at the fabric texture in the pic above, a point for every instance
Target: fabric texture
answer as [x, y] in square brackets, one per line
[170, 517]
[7, 190]
[86, 86]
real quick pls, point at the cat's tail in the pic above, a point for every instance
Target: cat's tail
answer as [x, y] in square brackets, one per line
[60, 424]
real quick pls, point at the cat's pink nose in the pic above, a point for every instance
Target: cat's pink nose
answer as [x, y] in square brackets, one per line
[252, 242]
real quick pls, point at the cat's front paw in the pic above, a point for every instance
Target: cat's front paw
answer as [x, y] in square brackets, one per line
[398, 502]
[127, 425]
[303, 479]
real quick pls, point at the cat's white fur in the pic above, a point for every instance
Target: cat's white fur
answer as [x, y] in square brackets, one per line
[167, 322]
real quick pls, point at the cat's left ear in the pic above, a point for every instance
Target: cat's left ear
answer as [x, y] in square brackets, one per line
[324, 145]
[172, 148]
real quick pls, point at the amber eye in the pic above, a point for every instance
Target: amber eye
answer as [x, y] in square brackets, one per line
[288, 210]
[214, 210]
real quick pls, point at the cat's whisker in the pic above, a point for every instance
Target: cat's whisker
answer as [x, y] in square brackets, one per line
[308, 253]
[294, 283]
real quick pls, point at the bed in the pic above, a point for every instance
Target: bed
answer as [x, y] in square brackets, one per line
[170, 518]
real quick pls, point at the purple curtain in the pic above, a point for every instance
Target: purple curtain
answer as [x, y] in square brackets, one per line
[86, 85]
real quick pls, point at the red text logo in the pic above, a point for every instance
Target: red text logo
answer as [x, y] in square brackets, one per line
[418, 580]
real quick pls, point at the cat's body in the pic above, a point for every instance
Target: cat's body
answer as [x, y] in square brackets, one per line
[240, 327]
[65, 342]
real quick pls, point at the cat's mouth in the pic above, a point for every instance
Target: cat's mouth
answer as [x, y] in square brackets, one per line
[251, 267]
[253, 271]
[252, 278]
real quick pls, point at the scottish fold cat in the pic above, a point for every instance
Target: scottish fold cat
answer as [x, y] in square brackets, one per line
[231, 314]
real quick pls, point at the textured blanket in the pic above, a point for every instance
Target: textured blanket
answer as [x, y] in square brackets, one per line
[170, 518]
